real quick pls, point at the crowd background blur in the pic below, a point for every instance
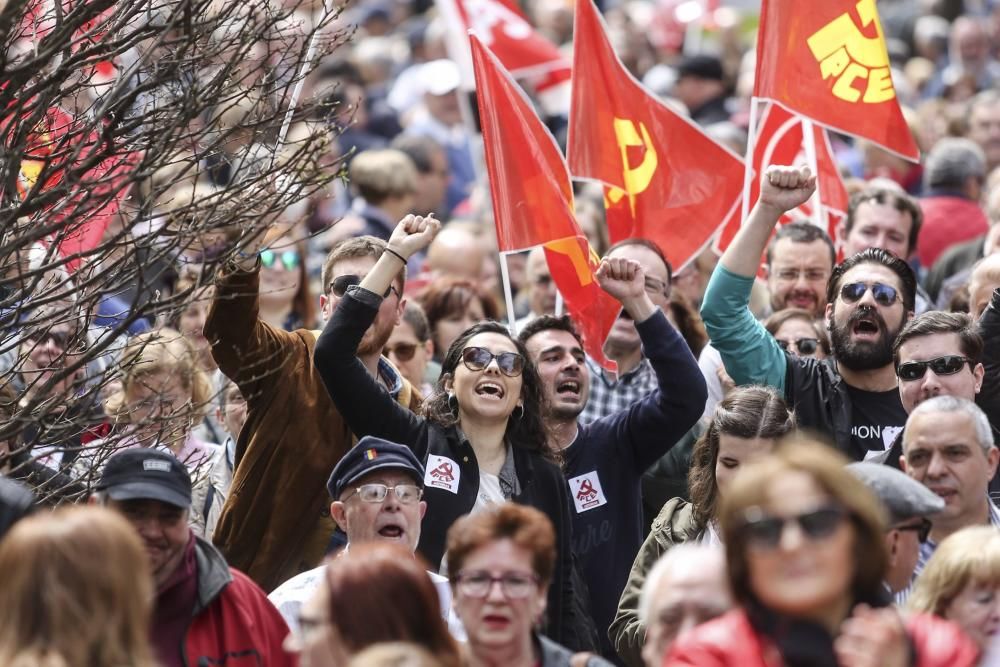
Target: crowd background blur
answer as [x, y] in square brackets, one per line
[182, 196]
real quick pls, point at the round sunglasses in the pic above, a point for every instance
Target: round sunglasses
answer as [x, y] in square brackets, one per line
[289, 259]
[478, 358]
[804, 346]
[403, 351]
[764, 531]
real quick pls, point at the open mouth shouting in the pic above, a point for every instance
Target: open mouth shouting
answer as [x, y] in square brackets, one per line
[569, 389]
[490, 389]
[866, 325]
[392, 530]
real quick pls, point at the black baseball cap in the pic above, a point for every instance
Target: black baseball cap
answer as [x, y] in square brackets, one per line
[146, 474]
[700, 67]
[369, 455]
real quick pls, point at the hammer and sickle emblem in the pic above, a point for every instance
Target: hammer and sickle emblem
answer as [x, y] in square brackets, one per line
[584, 265]
[637, 179]
[848, 56]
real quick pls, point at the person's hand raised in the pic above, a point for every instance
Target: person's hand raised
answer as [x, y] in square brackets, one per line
[413, 234]
[785, 188]
[622, 278]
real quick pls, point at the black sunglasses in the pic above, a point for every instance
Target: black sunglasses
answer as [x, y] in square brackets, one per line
[805, 346]
[340, 284]
[949, 365]
[923, 529]
[884, 295]
[403, 351]
[764, 531]
[478, 358]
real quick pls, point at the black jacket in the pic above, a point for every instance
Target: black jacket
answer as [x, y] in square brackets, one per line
[369, 410]
[820, 399]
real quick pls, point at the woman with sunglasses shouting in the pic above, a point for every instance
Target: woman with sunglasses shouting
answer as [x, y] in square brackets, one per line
[806, 559]
[481, 437]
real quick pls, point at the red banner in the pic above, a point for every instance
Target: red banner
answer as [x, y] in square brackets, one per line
[533, 199]
[780, 141]
[827, 61]
[667, 181]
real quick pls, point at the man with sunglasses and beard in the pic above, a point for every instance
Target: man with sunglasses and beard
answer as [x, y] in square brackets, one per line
[276, 520]
[852, 397]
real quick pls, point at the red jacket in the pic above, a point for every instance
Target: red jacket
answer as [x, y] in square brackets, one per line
[947, 220]
[233, 623]
[730, 641]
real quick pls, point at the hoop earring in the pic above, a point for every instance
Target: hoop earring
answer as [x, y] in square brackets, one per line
[518, 412]
[452, 402]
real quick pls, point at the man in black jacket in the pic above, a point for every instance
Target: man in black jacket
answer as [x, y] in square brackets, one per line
[603, 460]
[853, 397]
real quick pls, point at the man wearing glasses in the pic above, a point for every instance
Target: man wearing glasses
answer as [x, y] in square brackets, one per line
[948, 447]
[377, 489]
[853, 397]
[909, 506]
[264, 530]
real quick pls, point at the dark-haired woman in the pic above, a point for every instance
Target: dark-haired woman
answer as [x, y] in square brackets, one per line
[481, 437]
[746, 424]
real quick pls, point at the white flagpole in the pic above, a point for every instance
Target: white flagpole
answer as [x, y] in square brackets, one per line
[508, 294]
[748, 174]
[809, 143]
[559, 303]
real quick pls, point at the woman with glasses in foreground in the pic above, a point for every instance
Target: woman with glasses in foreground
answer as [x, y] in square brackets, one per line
[806, 558]
[500, 563]
[481, 436]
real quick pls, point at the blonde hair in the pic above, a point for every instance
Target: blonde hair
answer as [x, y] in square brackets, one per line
[826, 467]
[77, 590]
[969, 555]
[378, 175]
[162, 350]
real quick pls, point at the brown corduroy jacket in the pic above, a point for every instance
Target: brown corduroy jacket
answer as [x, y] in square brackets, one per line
[276, 521]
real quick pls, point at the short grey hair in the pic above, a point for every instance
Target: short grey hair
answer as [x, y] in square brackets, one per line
[952, 404]
[952, 162]
[686, 552]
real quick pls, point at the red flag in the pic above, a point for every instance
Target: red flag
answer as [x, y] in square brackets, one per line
[827, 61]
[533, 200]
[670, 183]
[780, 141]
[55, 155]
[503, 28]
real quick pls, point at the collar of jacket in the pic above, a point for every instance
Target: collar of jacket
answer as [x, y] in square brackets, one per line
[213, 574]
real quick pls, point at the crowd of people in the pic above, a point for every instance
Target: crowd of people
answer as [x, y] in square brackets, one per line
[341, 447]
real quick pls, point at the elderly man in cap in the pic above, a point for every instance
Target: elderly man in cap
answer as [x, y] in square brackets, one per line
[908, 504]
[377, 489]
[205, 613]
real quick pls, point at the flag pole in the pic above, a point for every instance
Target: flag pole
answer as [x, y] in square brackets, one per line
[508, 294]
[559, 303]
[809, 143]
[748, 161]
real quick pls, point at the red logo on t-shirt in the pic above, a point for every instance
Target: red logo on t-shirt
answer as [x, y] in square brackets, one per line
[443, 473]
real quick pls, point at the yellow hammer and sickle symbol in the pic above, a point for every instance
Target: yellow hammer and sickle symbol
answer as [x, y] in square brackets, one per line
[844, 53]
[585, 265]
[637, 179]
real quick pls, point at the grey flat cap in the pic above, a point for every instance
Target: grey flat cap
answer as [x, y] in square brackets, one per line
[904, 498]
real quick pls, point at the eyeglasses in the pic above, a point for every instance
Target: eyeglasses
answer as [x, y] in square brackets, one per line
[764, 532]
[403, 351]
[340, 284]
[884, 295]
[949, 365]
[656, 286]
[61, 339]
[289, 259]
[478, 358]
[514, 585]
[376, 493]
[804, 346]
[922, 529]
[811, 275]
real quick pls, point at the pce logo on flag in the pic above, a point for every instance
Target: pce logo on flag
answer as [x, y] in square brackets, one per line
[847, 54]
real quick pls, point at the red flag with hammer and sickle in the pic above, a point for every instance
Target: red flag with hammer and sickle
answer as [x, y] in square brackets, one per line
[533, 199]
[666, 180]
[827, 61]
